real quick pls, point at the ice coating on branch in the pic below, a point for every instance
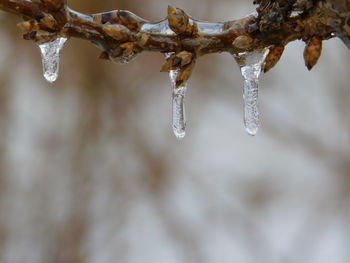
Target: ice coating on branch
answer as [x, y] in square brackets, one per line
[163, 27]
[208, 27]
[50, 54]
[157, 28]
[74, 14]
[344, 38]
[251, 65]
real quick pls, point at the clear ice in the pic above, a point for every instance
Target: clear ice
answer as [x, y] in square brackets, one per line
[50, 55]
[178, 104]
[179, 114]
[251, 64]
[344, 38]
[208, 27]
[163, 27]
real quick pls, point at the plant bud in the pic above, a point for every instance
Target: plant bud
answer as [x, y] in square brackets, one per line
[116, 31]
[312, 52]
[179, 21]
[242, 42]
[273, 57]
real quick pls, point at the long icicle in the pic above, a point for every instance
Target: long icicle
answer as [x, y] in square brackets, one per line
[251, 65]
[178, 106]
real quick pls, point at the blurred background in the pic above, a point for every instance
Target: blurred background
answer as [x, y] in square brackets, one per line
[90, 171]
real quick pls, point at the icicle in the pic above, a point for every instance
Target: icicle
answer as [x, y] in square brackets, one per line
[251, 64]
[50, 54]
[179, 114]
[178, 104]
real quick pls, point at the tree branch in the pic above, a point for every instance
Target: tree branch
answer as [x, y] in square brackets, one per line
[257, 41]
[121, 35]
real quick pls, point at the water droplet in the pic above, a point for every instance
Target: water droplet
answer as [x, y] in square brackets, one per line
[251, 64]
[50, 54]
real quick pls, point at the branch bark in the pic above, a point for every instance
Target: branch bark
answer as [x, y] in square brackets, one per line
[121, 34]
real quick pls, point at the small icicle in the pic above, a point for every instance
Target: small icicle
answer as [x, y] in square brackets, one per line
[50, 54]
[251, 64]
[179, 114]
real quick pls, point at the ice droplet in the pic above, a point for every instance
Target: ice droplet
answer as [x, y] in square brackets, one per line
[251, 64]
[50, 55]
[178, 104]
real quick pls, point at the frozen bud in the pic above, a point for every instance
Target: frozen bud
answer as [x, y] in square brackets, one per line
[45, 20]
[123, 17]
[273, 57]
[128, 48]
[185, 73]
[168, 64]
[40, 36]
[104, 55]
[242, 42]
[130, 20]
[124, 53]
[177, 61]
[312, 52]
[28, 26]
[118, 32]
[183, 58]
[179, 21]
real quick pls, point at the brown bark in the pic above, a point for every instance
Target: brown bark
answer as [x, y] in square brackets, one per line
[121, 35]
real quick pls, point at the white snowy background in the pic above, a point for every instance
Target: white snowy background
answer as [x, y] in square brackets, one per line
[90, 171]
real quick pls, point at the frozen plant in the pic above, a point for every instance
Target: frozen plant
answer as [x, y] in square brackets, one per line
[256, 41]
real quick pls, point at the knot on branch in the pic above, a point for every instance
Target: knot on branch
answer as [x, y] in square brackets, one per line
[274, 13]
